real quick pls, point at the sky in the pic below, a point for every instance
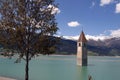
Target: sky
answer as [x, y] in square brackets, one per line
[99, 19]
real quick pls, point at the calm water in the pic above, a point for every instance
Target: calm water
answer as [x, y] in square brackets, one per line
[62, 68]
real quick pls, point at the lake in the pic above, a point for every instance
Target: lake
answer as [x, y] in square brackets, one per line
[62, 68]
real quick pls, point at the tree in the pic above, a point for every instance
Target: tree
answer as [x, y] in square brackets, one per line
[27, 26]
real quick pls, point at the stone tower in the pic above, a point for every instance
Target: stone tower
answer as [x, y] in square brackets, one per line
[82, 50]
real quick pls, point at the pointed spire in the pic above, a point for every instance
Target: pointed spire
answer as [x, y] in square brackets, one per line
[82, 37]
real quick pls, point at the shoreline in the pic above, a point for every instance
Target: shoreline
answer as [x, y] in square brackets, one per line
[58, 55]
[6, 78]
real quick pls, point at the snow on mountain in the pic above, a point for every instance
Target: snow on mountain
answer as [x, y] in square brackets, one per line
[102, 37]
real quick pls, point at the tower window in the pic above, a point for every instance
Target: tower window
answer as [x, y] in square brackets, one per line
[79, 44]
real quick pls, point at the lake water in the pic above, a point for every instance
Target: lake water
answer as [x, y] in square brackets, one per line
[62, 68]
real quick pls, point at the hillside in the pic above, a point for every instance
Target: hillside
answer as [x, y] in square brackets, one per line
[108, 47]
[66, 47]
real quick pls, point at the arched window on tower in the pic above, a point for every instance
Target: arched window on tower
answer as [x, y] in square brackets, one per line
[79, 44]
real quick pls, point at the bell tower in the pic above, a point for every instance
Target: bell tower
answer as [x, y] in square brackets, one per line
[82, 50]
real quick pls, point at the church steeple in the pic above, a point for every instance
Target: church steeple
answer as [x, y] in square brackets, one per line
[82, 37]
[82, 50]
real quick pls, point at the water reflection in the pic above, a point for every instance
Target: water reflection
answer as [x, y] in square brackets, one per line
[82, 73]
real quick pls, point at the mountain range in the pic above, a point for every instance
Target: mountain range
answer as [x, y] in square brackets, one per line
[107, 47]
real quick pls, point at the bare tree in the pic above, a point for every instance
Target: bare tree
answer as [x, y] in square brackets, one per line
[27, 26]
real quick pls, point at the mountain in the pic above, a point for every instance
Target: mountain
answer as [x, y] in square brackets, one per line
[107, 47]
[66, 46]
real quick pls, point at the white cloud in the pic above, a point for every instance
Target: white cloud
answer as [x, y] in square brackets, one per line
[105, 2]
[113, 33]
[97, 37]
[73, 24]
[117, 8]
[71, 37]
[55, 9]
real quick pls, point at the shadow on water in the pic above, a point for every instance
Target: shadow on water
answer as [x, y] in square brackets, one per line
[82, 73]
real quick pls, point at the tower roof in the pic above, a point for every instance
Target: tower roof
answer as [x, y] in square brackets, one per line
[82, 37]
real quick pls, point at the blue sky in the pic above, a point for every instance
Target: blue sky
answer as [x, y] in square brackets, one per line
[97, 17]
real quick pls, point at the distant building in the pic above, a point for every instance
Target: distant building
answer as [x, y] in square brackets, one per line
[82, 50]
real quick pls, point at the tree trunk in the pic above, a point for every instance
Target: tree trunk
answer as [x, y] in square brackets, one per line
[27, 67]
